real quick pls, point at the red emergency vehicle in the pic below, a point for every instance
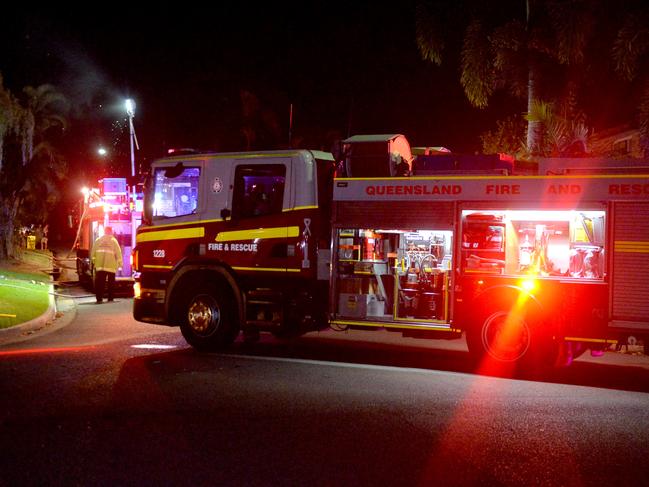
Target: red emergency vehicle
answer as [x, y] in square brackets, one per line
[531, 268]
[235, 241]
[112, 204]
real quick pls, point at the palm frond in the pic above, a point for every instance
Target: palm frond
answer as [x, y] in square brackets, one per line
[573, 24]
[631, 44]
[429, 33]
[48, 106]
[541, 111]
[477, 76]
[509, 47]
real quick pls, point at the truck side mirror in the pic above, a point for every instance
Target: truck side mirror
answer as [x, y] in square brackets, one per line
[226, 213]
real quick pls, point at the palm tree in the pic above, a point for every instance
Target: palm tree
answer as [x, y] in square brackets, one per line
[511, 48]
[30, 166]
[10, 115]
[631, 58]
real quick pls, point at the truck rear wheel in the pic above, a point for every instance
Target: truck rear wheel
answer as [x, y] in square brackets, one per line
[504, 336]
[507, 336]
[208, 322]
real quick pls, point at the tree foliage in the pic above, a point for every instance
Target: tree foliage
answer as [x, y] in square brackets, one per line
[540, 50]
[30, 165]
[260, 126]
[508, 137]
[631, 56]
[560, 136]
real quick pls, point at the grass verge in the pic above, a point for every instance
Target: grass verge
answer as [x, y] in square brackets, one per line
[24, 288]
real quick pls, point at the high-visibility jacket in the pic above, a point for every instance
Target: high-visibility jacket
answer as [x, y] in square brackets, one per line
[106, 254]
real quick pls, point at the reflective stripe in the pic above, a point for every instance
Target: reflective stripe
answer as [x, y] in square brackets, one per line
[150, 229]
[266, 269]
[298, 208]
[590, 340]
[192, 232]
[381, 324]
[147, 266]
[263, 233]
[632, 246]
[234, 155]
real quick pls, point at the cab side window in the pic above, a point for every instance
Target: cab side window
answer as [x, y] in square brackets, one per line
[258, 190]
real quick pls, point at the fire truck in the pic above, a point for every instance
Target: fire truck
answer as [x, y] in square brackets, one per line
[532, 269]
[112, 204]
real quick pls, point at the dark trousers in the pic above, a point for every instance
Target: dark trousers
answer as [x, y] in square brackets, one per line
[101, 277]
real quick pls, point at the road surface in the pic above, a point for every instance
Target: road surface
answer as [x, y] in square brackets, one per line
[108, 401]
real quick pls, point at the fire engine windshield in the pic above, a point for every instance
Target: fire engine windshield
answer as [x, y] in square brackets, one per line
[175, 191]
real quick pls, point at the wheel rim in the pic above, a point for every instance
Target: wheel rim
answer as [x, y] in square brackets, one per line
[203, 315]
[506, 336]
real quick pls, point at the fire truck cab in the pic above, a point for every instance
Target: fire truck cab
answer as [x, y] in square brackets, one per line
[235, 241]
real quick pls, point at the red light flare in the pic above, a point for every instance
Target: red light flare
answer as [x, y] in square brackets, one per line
[481, 427]
[480, 419]
[39, 351]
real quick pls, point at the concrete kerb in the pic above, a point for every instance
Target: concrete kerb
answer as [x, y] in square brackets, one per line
[60, 312]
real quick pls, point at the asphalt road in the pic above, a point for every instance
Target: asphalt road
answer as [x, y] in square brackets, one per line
[104, 400]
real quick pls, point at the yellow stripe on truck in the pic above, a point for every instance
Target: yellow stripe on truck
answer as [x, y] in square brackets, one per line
[261, 233]
[267, 269]
[194, 232]
[632, 246]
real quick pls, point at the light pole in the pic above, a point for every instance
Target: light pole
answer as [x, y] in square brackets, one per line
[129, 104]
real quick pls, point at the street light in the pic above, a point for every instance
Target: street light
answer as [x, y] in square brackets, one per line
[102, 151]
[130, 107]
[129, 104]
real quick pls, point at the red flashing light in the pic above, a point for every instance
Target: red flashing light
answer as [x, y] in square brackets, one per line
[179, 152]
[528, 284]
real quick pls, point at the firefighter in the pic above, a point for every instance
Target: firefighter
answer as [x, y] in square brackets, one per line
[107, 259]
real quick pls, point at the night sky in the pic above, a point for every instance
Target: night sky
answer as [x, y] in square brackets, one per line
[347, 69]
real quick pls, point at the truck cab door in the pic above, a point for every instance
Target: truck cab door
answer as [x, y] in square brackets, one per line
[257, 239]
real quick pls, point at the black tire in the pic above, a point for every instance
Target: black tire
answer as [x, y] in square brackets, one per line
[511, 340]
[207, 317]
[85, 278]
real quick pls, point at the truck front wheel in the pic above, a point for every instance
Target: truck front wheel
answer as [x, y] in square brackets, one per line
[208, 322]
